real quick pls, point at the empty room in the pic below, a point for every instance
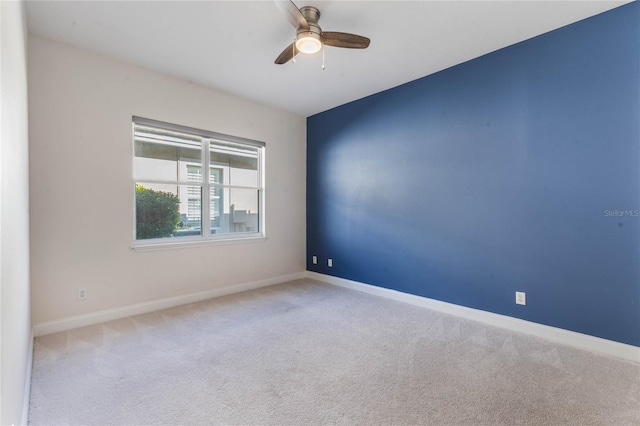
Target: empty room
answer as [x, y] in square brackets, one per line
[286, 212]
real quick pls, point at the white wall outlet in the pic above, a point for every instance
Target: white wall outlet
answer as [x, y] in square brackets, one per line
[82, 294]
[521, 298]
[330, 263]
[314, 259]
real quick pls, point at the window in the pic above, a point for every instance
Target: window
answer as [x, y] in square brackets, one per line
[195, 186]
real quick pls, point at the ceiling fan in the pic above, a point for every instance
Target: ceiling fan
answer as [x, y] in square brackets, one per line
[309, 36]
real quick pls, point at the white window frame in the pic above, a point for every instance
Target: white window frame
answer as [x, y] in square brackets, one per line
[206, 238]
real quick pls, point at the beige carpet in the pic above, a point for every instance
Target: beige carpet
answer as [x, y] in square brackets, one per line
[306, 353]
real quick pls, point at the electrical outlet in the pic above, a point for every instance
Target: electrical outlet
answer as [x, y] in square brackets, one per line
[521, 298]
[330, 263]
[82, 294]
[314, 259]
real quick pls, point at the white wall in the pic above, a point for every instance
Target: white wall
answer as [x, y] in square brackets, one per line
[15, 325]
[80, 107]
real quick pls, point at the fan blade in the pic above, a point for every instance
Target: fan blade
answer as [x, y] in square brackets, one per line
[292, 14]
[287, 54]
[350, 41]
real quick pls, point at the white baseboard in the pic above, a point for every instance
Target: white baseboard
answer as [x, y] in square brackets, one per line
[558, 335]
[571, 338]
[154, 305]
[27, 383]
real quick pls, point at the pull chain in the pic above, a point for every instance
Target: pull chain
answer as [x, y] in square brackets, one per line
[323, 57]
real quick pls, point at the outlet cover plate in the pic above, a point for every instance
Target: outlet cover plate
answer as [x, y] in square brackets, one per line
[521, 298]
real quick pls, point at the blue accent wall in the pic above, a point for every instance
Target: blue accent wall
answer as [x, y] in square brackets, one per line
[516, 171]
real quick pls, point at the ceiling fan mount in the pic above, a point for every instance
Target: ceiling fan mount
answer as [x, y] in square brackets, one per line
[309, 36]
[310, 13]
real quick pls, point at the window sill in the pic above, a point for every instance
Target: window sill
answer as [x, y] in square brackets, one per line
[172, 245]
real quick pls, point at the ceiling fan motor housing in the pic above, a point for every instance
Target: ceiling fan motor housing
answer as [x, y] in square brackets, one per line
[311, 14]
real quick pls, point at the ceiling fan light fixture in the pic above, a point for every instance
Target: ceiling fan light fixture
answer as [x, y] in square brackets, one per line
[308, 44]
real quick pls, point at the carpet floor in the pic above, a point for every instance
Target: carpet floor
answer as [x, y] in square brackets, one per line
[307, 353]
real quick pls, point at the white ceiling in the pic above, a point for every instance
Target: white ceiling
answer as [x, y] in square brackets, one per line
[231, 45]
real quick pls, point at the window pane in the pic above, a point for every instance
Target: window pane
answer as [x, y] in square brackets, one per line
[164, 211]
[240, 211]
[216, 199]
[166, 161]
[238, 164]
